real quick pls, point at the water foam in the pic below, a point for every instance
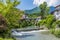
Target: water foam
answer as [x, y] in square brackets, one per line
[34, 31]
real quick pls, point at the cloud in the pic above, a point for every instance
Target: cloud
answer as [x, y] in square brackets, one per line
[49, 2]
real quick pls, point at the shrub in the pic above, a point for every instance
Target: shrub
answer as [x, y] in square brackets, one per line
[57, 33]
[49, 22]
[42, 22]
[52, 31]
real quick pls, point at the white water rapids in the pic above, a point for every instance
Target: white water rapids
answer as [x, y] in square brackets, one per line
[35, 35]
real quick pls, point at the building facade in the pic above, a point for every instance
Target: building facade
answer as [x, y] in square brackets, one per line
[56, 12]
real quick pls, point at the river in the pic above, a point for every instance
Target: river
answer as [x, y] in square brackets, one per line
[37, 35]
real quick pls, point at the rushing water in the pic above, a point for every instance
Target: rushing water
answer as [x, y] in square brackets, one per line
[37, 35]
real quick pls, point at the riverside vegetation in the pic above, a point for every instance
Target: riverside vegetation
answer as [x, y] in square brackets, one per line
[10, 14]
[49, 21]
[12, 19]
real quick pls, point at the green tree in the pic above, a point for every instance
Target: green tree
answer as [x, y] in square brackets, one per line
[13, 18]
[44, 10]
[49, 22]
[11, 14]
[7, 5]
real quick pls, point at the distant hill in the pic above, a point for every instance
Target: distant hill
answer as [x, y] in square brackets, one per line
[37, 10]
[34, 10]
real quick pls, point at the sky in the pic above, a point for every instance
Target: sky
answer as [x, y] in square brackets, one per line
[26, 5]
[30, 4]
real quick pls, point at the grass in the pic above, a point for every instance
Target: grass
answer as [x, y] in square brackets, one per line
[6, 39]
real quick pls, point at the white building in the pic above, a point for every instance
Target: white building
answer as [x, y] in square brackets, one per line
[24, 17]
[56, 12]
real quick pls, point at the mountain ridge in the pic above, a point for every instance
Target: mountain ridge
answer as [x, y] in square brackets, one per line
[37, 10]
